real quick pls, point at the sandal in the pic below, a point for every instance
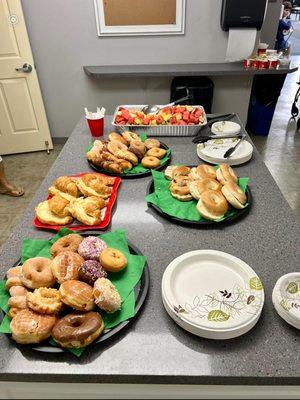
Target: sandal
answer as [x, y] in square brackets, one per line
[15, 192]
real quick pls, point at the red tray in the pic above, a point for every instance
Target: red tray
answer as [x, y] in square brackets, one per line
[80, 227]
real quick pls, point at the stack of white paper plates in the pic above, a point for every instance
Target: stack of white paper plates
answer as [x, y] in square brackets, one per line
[214, 150]
[286, 298]
[212, 294]
[225, 128]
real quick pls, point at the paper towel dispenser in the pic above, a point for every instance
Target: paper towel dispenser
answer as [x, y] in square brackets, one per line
[243, 14]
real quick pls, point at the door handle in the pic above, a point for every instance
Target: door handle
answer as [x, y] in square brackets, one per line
[26, 68]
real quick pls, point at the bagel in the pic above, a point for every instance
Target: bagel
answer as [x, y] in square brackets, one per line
[150, 162]
[212, 205]
[150, 143]
[226, 174]
[181, 170]
[208, 170]
[181, 193]
[181, 180]
[200, 186]
[234, 195]
[129, 136]
[197, 174]
[169, 172]
[157, 152]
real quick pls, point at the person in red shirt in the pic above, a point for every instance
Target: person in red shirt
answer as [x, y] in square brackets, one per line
[5, 186]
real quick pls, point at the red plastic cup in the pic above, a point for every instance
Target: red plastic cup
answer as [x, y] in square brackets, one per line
[96, 126]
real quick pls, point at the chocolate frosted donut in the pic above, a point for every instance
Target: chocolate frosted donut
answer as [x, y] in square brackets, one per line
[90, 271]
[91, 247]
[78, 329]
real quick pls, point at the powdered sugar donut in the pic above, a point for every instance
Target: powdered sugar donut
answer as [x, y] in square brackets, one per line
[91, 247]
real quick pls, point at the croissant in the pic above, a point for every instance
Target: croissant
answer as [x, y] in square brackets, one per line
[59, 206]
[92, 185]
[46, 216]
[67, 185]
[87, 210]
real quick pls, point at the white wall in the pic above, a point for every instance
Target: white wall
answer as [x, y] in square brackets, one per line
[63, 39]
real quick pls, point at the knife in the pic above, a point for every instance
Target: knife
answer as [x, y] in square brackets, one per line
[229, 152]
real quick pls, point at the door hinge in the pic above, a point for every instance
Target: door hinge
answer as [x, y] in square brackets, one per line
[47, 146]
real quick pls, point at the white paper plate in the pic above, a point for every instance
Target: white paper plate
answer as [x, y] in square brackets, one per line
[225, 128]
[286, 298]
[212, 294]
[213, 152]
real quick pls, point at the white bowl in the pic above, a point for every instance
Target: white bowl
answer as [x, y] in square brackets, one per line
[223, 128]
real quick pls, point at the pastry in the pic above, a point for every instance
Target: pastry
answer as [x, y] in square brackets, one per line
[88, 210]
[93, 185]
[91, 247]
[226, 174]
[116, 136]
[18, 291]
[150, 143]
[106, 295]
[156, 152]
[120, 150]
[66, 187]
[169, 172]
[78, 330]
[36, 272]
[59, 206]
[13, 311]
[77, 294]
[30, 327]
[212, 205]
[45, 301]
[68, 242]
[14, 271]
[181, 170]
[150, 162]
[46, 216]
[18, 302]
[234, 195]
[138, 148]
[200, 186]
[13, 281]
[129, 136]
[65, 266]
[90, 271]
[113, 260]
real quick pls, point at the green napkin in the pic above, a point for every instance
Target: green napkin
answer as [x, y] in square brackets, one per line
[162, 198]
[125, 281]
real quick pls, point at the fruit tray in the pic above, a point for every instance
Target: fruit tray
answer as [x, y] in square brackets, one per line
[159, 130]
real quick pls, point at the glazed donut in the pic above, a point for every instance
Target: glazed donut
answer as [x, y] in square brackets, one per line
[138, 148]
[129, 136]
[69, 242]
[65, 266]
[150, 162]
[78, 330]
[234, 195]
[113, 260]
[30, 327]
[106, 295]
[182, 170]
[90, 271]
[198, 187]
[212, 205]
[91, 247]
[150, 143]
[156, 152]
[226, 174]
[77, 294]
[45, 301]
[36, 272]
[116, 136]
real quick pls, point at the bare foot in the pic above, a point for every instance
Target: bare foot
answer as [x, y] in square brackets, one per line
[11, 190]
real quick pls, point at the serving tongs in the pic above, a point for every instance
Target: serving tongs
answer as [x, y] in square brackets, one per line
[203, 139]
[211, 120]
[232, 149]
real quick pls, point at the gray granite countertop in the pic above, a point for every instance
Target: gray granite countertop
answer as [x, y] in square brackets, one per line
[154, 349]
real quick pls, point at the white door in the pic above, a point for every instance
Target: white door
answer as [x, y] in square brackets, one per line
[23, 122]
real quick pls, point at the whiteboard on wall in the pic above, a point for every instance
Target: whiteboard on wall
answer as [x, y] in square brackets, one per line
[139, 17]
